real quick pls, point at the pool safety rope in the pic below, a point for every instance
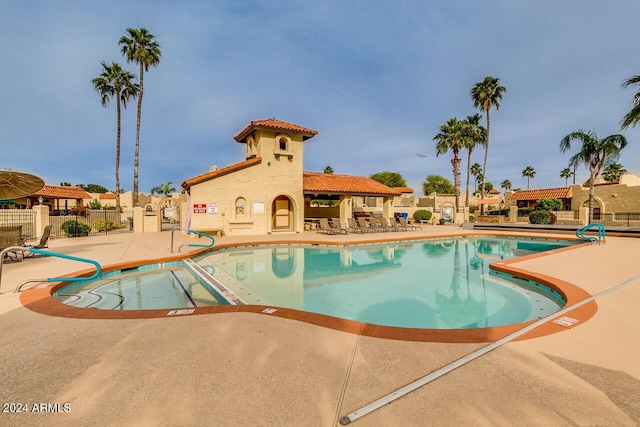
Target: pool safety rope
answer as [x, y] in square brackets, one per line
[377, 404]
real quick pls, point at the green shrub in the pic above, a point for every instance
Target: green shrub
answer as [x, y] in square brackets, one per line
[548, 204]
[441, 221]
[524, 211]
[472, 218]
[499, 212]
[542, 217]
[95, 204]
[102, 225]
[71, 228]
[422, 215]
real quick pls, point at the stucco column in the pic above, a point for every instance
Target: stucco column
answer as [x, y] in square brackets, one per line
[346, 208]
[42, 219]
[387, 207]
[513, 214]
[138, 220]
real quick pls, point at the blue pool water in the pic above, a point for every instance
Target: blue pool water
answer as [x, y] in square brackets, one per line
[444, 283]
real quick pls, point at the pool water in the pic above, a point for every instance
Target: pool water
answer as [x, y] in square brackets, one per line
[437, 283]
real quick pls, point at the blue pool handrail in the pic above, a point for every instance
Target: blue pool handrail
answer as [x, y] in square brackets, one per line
[192, 244]
[601, 239]
[53, 254]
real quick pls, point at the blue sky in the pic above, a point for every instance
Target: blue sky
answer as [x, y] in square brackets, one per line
[376, 79]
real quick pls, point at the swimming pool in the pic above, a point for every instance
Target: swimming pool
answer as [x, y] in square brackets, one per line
[435, 283]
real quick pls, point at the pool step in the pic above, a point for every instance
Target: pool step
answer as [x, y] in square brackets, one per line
[213, 284]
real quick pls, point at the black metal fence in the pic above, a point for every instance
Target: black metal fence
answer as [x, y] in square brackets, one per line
[91, 222]
[619, 219]
[24, 217]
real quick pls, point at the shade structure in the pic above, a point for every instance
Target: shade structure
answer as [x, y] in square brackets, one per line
[14, 184]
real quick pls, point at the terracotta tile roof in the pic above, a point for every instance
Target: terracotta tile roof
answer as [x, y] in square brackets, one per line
[219, 172]
[405, 190]
[323, 183]
[552, 193]
[494, 191]
[105, 196]
[488, 201]
[274, 125]
[64, 192]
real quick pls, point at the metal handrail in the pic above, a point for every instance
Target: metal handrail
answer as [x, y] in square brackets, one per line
[192, 244]
[53, 254]
[601, 233]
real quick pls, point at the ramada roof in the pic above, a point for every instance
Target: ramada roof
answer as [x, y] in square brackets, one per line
[329, 183]
[550, 193]
[274, 124]
[63, 192]
[405, 190]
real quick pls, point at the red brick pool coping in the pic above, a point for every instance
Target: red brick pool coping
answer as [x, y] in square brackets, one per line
[39, 299]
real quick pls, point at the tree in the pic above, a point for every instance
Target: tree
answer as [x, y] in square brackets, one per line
[65, 184]
[437, 184]
[528, 173]
[328, 169]
[595, 153]
[478, 136]
[139, 47]
[163, 189]
[613, 172]
[633, 116]
[566, 173]
[486, 95]
[506, 184]
[549, 204]
[476, 171]
[454, 136]
[93, 188]
[114, 82]
[390, 179]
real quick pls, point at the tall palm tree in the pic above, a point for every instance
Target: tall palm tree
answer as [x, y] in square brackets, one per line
[454, 136]
[139, 47]
[486, 95]
[528, 173]
[478, 136]
[613, 172]
[114, 82]
[506, 184]
[633, 116]
[566, 173]
[595, 153]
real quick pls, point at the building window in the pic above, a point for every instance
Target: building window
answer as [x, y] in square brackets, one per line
[241, 205]
[282, 144]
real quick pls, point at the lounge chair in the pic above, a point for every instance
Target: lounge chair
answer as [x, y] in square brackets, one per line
[362, 222]
[354, 227]
[11, 236]
[407, 226]
[325, 228]
[43, 243]
[335, 224]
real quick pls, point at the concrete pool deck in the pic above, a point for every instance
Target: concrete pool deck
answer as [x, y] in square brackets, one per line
[255, 369]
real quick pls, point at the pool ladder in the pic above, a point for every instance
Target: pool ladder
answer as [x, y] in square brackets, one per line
[192, 244]
[601, 233]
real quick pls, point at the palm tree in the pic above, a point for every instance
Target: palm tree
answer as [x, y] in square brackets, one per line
[114, 82]
[613, 172]
[476, 171]
[328, 169]
[454, 136]
[506, 184]
[595, 153]
[141, 48]
[566, 173]
[486, 95]
[163, 189]
[478, 136]
[528, 173]
[633, 116]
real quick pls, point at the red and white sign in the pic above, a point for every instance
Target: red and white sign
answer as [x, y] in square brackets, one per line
[199, 208]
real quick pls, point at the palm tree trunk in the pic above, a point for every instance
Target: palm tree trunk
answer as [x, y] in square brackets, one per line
[455, 162]
[592, 193]
[486, 155]
[136, 157]
[468, 177]
[118, 125]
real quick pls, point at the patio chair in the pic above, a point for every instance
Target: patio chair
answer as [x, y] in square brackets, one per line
[11, 236]
[404, 223]
[43, 243]
[354, 227]
[335, 224]
[324, 227]
[362, 222]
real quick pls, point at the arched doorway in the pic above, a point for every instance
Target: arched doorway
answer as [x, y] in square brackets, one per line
[282, 214]
[168, 214]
